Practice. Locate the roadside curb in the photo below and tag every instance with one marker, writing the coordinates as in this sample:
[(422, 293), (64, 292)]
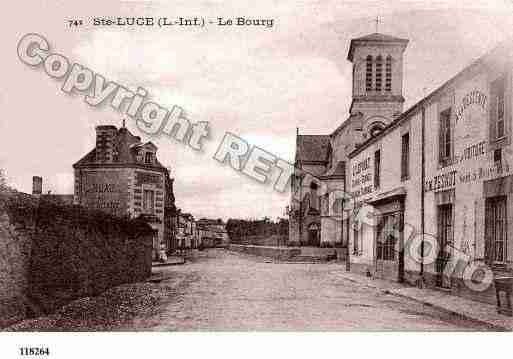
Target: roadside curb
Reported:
[(497, 324), (167, 264), (460, 314)]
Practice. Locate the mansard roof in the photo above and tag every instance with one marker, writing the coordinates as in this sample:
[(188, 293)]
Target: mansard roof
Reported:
[(126, 145), (312, 148), (375, 37)]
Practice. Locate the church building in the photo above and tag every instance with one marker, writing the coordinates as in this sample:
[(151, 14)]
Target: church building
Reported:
[(321, 160), (422, 196)]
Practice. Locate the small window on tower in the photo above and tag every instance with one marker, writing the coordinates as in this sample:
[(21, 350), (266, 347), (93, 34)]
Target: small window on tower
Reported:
[(368, 74), (388, 74), (379, 69)]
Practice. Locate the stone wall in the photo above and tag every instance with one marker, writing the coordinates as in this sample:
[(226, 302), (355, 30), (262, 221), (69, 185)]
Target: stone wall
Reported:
[(279, 253), (272, 240), (52, 253)]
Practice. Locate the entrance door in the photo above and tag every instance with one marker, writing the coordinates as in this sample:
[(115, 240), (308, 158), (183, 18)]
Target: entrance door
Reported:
[(445, 242), (389, 254), (313, 235)]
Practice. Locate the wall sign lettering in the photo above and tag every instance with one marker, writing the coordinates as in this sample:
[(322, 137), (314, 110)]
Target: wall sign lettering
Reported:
[(475, 97)]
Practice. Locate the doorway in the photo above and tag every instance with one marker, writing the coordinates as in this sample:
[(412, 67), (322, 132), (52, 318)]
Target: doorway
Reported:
[(314, 238), (445, 242)]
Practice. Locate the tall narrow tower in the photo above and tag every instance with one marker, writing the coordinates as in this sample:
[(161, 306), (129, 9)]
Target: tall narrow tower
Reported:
[(377, 80)]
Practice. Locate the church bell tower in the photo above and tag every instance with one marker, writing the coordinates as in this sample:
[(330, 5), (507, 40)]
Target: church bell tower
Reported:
[(377, 80)]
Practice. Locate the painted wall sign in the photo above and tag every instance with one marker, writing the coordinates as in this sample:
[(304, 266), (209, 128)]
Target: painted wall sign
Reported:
[(441, 181), (363, 191), (361, 166), (103, 190), (362, 176), (484, 173), (475, 97)]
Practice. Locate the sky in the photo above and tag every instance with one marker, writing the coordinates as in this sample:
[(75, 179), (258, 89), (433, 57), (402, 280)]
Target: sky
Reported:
[(258, 83)]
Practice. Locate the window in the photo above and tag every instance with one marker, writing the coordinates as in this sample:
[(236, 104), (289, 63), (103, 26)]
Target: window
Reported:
[(148, 201), (495, 230), (377, 168), (405, 156), (355, 237), (445, 139), (148, 158), (314, 196), (498, 108), (368, 74), (379, 68), (388, 74), (387, 236)]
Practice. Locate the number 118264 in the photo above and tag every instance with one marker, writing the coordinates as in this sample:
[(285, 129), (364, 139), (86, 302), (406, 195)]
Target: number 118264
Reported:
[(34, 351)]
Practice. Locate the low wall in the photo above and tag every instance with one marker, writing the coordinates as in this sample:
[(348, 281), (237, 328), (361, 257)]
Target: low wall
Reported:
[(269, 241), (279, 253), (52, 253)]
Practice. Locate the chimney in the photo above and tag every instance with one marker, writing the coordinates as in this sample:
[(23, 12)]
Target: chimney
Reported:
[(105, 143), (37, 185)]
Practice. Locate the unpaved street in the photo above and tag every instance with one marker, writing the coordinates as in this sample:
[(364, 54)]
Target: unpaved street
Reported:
[(228, 291), (221, 290)]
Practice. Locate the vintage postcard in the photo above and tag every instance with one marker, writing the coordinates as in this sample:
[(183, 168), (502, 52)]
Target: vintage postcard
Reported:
[(274, 167)]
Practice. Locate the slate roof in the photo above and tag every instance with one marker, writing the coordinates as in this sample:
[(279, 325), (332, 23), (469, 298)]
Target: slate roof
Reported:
[(126, 146), (375, 37), (312, 148)]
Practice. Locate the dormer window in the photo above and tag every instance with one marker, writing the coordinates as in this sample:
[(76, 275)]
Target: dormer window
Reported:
[(148, 158)]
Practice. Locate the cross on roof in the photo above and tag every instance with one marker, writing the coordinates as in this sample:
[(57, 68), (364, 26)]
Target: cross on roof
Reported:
[(377, 22)]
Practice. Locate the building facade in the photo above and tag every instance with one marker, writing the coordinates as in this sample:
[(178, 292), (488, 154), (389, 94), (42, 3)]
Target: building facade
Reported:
[(447, 182), (187, 233), (212, 233), (123, 176), (319, 182)]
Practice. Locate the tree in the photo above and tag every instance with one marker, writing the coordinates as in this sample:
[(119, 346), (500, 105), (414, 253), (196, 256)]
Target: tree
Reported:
[(3, 181)]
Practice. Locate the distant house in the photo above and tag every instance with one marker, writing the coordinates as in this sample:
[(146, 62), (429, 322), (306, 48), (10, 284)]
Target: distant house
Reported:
[(212, 233), (187, 233)]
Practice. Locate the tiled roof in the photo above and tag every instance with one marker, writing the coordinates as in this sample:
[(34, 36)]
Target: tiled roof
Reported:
[(312, 147), (380, 37), (375, 37)]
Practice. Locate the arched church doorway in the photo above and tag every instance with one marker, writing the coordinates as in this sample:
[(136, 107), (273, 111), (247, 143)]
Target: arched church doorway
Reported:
[(314, 235)]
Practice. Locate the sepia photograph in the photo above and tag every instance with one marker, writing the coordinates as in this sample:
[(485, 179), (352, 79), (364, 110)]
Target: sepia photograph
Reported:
[(237, 176)]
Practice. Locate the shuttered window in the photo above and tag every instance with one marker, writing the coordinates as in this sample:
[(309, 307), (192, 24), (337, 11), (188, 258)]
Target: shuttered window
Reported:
[(388, 74), (379, 72), (377, 169), (368, 74), (148, 201), (495, 230), (405, 156), (497, 109), (445, 137)]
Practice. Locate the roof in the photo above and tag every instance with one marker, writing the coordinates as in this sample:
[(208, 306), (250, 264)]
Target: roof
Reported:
[(375, 37), (312, 148), (336, 171), (126, 145), (380, 37)]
